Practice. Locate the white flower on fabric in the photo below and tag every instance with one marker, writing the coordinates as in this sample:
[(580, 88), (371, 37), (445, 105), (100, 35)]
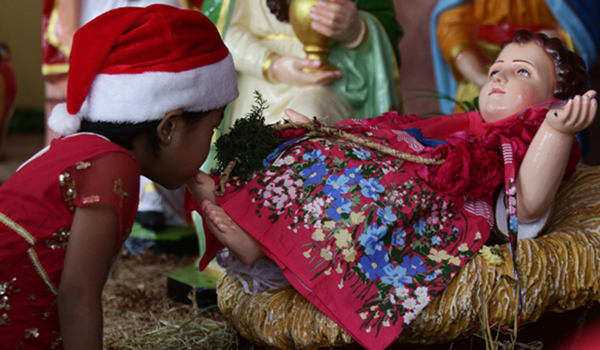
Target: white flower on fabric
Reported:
[(409, 303), (421, 291), (401, 292)]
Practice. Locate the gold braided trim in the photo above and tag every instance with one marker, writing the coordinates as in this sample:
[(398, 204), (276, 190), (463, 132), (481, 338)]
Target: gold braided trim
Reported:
[(17, 228), (361, 141), (315, 126), (49, 35), (223, 16), (267, 65), (278, 37), (59, 68), (40, 270)]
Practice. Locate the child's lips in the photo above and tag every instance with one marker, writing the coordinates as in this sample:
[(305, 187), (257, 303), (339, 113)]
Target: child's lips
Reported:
[(496, 91)]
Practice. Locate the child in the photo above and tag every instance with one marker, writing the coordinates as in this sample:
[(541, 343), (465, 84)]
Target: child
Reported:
[(147, 87), (370, 239)]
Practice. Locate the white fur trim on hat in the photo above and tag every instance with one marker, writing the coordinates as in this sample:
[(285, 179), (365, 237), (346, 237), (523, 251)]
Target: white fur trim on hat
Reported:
[(135, 98), (62, 122)]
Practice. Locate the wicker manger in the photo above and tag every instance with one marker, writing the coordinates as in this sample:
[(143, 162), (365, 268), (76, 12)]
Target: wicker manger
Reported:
[(559, 272)]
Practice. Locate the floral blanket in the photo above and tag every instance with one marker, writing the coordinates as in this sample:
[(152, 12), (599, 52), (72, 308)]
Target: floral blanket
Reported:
[(368, 238)]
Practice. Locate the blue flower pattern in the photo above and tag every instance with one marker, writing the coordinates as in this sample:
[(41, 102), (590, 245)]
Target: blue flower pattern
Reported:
[(358, 202)]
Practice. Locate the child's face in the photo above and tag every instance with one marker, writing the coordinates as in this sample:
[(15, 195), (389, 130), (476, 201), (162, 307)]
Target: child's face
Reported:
[(189, 150), (522, 76)]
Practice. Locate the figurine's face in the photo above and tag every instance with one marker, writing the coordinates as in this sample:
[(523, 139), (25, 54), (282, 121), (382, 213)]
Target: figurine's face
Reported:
[(521, 77)]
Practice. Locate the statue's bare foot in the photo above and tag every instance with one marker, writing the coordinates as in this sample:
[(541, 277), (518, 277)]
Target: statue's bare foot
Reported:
[(202, 187), (230, 234)]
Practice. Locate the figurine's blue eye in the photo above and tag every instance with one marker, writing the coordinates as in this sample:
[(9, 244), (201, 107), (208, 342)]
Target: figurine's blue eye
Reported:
[(523, 72), (493, 73)]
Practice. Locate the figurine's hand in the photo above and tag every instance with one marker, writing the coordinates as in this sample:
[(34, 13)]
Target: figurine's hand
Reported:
[(336, 19), (289, 70), (201, 187), (576, 115)]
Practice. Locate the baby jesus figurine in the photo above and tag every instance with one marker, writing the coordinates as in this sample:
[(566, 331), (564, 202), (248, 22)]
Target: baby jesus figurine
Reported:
[(370, 239)]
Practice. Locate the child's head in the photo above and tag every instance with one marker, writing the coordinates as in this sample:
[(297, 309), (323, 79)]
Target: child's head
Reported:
[(531, 69), (131, 67)]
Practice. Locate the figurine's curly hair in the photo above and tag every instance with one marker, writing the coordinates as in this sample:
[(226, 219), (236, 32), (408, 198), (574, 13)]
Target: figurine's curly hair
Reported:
[(571, 76)]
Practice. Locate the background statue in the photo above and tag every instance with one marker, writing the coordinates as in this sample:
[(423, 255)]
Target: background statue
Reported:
[(269, 58), (465, 37)]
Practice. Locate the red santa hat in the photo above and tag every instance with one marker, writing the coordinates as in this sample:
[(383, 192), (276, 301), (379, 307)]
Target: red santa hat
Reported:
[(133, 65)]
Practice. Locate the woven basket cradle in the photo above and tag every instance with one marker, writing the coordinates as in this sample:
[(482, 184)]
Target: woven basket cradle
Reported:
[(559, 272)]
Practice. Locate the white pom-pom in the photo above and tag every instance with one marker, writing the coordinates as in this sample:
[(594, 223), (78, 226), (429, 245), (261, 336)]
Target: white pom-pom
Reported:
[(62, 122)]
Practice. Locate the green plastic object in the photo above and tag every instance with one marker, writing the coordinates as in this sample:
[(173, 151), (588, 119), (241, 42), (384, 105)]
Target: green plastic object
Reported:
[(197, 219)]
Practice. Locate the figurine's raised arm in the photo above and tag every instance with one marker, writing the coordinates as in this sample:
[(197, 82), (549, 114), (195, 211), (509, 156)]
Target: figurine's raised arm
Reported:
[(530, 70), (545, 161)]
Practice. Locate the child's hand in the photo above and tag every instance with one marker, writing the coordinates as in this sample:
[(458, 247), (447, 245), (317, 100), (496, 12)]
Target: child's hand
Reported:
[(576, 115)]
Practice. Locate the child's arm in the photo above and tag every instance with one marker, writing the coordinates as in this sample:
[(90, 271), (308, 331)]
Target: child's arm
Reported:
[(92, 243), (544, 164)]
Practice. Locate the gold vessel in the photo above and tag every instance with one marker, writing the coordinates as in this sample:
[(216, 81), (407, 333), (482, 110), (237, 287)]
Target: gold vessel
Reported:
[(316, 45)]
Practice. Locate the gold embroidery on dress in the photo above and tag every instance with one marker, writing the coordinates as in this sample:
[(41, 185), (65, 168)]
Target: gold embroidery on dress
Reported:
[(58, 239), (118, 190), (69, 192), (32, 297), (56, 342), (82, 165), (40, 270), (91, 199), (17, 228), (31, 332), (4, 320), (6, 289)]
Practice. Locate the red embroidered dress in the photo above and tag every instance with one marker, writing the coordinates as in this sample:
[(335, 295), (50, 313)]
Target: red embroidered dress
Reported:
[(36, 212), (371, 239)]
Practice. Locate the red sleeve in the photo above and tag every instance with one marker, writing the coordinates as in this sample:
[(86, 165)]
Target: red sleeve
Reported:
[(110, 178)]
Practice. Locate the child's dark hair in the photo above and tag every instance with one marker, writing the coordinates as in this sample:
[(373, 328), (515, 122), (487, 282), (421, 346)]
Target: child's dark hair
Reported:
[(571, 76), (123, 134)]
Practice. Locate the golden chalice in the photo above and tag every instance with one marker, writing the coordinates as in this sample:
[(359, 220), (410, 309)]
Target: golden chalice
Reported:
[(316, 45)]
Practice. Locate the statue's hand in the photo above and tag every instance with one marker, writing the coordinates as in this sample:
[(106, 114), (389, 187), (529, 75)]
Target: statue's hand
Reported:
[(290, 70), (336, 19), (576, 115)]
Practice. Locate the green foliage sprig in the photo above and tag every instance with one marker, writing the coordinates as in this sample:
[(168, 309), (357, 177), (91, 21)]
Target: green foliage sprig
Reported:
[(248, 141)]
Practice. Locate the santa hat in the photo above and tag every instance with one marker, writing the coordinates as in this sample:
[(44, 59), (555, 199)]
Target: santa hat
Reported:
[(133, 65)]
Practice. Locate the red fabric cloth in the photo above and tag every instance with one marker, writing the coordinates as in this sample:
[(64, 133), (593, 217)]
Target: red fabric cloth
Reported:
[(36, 213), (367, 238)]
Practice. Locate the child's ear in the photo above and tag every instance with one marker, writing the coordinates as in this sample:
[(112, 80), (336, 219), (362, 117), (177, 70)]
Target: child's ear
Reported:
[(168, 125)]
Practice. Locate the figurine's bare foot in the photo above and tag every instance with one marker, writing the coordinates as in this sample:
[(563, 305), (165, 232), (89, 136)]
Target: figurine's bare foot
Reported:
[(202, 187), (295, 116), (230, 234)]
